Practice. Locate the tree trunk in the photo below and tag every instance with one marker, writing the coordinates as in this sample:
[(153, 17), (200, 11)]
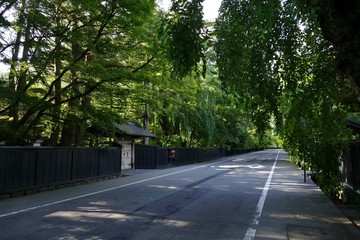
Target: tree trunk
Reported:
[(146, 116), (55, 132), (71, 126), (14, 110), (339, 21)]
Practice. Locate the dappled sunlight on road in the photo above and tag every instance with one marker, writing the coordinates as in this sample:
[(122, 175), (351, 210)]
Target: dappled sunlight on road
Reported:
[(90, 216), (289, 187), (242, 166), (93, 222), (298, 207), (303, 224), (271, 234), (287, 216), (98, 203), (239, 160), (210, 201), (164, 187), (99, 216)]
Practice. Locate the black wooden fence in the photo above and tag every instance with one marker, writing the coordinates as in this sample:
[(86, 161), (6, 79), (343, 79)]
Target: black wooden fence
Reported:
[(150, 157), (350, 168), (24, 168)]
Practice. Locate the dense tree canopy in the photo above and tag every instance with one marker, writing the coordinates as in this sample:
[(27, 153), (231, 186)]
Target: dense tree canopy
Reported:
[(283, 58), (59, 54), (75, 67), (270, 68)]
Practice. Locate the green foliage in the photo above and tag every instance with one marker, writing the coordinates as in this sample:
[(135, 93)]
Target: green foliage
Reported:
[(88, 44), (246, 47), (314, 126), (275, 58), (185, 36), (270, 77)]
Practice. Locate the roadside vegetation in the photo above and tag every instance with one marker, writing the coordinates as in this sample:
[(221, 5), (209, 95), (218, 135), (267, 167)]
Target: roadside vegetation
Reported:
[(265, 73)]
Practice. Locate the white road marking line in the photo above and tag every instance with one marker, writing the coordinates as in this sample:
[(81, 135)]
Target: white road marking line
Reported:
[(109, 189), (251, 231)]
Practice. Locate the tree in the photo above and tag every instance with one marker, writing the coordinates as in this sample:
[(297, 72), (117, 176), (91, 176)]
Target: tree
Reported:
[(76, 64), (339, 24), (278, 61), (86, 44), (185, 35), (195, 111), (246, 46)]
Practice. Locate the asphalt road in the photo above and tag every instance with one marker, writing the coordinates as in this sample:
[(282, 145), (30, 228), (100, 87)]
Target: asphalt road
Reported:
[(257, 195)]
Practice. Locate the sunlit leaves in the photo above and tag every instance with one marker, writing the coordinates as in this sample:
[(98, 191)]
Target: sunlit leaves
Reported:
[(313, 116), (273, 55), (185, 36), (63, 51), (247, 34)]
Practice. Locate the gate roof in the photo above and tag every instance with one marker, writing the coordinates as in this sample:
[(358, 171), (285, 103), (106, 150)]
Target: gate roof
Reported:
[(130, 129)]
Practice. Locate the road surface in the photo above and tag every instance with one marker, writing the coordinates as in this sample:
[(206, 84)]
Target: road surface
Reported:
[(258, 195)]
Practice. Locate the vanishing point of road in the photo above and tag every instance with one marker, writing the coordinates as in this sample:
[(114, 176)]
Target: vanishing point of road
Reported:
[(259, 195)]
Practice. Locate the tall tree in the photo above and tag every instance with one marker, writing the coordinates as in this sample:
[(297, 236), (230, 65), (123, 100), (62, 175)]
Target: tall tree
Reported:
[(185, 33), (247, 33), (102, 30), (339, 24), (56, 113), (277, 59)]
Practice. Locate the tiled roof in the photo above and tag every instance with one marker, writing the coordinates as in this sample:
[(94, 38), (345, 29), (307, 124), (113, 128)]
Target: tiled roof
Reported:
[(133, 130)]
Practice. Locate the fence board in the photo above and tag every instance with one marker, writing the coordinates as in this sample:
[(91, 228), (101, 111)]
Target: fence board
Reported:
[(355, 165), (24, 168), (85, 164), (162, 159), (147, 156), (16, 168), (53, 166), (350, 169), (346, 170), (110, 162)]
